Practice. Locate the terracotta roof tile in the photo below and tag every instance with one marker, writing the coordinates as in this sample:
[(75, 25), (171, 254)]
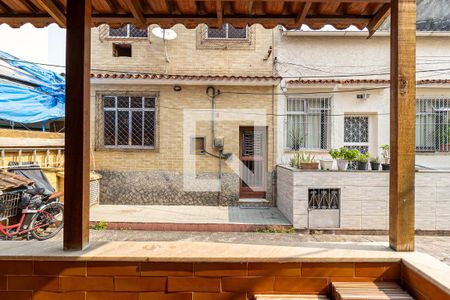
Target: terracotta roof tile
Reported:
[(113, 75), (361, 81), (12, 181)]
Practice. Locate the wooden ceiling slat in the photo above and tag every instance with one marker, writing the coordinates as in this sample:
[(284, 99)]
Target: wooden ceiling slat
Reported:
[(136, 10), (302, 15), (379, 18), (57, 14), (187, 7), (269, 13)]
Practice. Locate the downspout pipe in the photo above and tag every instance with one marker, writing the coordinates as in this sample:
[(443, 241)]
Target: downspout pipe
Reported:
[(212, 93)]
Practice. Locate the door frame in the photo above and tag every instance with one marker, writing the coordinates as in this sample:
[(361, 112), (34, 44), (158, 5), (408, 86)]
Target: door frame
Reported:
[(247, 192)]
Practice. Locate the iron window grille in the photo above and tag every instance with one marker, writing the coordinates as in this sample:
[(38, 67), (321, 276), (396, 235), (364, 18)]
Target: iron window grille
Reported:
[(227, 32), (324, 198), (356, 135), (433, 124), (128, 31), (308, 123), (129, 122)]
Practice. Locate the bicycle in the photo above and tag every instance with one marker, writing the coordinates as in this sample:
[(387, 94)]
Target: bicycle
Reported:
[(42, 215)]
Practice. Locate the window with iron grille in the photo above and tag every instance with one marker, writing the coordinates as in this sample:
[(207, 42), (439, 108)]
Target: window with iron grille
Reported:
[(129, 122), (128, 31), (308, 123), (356, 135), (227, 32), (433, 124)]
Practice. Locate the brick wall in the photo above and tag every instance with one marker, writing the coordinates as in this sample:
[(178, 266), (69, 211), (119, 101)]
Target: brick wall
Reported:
[(156, 176), (95, 280), (365, 198), (187, 55)]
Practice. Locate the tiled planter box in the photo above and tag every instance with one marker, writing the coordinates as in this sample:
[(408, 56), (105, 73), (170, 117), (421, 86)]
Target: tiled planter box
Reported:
[(364, 198)]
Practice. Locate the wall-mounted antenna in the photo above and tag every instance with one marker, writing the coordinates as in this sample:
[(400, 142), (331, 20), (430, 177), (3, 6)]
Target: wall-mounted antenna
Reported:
[(165, 35)]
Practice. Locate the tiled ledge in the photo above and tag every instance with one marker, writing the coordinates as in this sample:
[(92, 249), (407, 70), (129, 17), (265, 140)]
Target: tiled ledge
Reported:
[(428, 268), (202, 252)]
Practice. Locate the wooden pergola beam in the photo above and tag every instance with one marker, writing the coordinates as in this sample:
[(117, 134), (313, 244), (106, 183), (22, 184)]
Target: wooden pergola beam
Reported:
[(250, 7), (302, 15), (77, 132), (402, 125), (314, 1), (136, 10), (51, 8), (219, 12), (379, 18)]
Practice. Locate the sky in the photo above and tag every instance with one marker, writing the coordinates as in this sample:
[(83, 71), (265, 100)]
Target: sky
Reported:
[(42, 45)]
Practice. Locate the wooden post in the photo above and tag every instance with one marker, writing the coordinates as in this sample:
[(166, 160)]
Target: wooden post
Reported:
[(77, 143), (403, 119)]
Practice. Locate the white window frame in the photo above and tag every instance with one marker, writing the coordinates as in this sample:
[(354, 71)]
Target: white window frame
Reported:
[(226, 34), (130, 110), (428, 110), (309, 111)]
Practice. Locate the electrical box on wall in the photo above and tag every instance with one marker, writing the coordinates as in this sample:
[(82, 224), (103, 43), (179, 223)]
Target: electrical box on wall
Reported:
[(219, 142), (364, 96)]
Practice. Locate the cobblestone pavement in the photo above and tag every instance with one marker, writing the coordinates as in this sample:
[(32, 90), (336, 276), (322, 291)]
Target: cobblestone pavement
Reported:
[(437, 246)]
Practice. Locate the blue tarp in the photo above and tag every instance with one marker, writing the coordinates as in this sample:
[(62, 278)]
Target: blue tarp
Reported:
[(38, 97)]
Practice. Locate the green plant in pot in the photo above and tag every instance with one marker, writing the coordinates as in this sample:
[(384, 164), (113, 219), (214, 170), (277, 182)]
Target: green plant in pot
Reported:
[(375, 163), (362, 161), (385, 152), (444, 139), (342, 156), (303, 160), (295, 161), (297, 142)]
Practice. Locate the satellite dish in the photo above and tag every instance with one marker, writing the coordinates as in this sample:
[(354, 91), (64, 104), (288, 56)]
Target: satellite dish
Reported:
[(165, 35)]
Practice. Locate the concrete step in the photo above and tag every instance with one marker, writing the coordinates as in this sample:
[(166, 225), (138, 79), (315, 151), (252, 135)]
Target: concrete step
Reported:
[(369, 291), (253, 203), (291, 297)]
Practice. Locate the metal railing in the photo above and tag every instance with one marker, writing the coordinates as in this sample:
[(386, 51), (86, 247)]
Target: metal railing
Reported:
[(126, 33), (433, 124), (45, 157)]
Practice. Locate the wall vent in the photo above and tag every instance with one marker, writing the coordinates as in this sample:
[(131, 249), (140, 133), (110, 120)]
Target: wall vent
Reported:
[(324, 198)]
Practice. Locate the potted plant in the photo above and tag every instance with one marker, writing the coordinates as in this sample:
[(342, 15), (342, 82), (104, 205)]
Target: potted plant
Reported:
[(306, 161), (326, 164), (350, 155), (337, 155), (375, 163), (385, 166), (295, 161), (444, 139), (362, 161), (343, 156), (297, 142)]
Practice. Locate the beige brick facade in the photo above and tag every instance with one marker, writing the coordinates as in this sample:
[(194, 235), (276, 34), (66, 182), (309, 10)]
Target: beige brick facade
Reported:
[(168, 155), (189, 53), (155, 176)]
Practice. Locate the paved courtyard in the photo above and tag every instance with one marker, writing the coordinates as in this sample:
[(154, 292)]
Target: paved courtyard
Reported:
[(189, 214), (437, 246)]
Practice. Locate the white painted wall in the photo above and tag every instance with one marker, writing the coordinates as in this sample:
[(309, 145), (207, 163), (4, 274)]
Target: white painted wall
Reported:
[(364, 201), (309, 57)]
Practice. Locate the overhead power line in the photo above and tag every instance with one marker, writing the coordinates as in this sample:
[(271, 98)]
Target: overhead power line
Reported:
[(347, 75)]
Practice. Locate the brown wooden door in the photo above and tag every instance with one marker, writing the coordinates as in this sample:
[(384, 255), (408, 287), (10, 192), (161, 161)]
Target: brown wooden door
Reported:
[(253, 155)]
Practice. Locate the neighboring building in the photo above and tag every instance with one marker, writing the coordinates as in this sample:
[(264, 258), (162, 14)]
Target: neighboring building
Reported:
[(337, 80), (141, 137)]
